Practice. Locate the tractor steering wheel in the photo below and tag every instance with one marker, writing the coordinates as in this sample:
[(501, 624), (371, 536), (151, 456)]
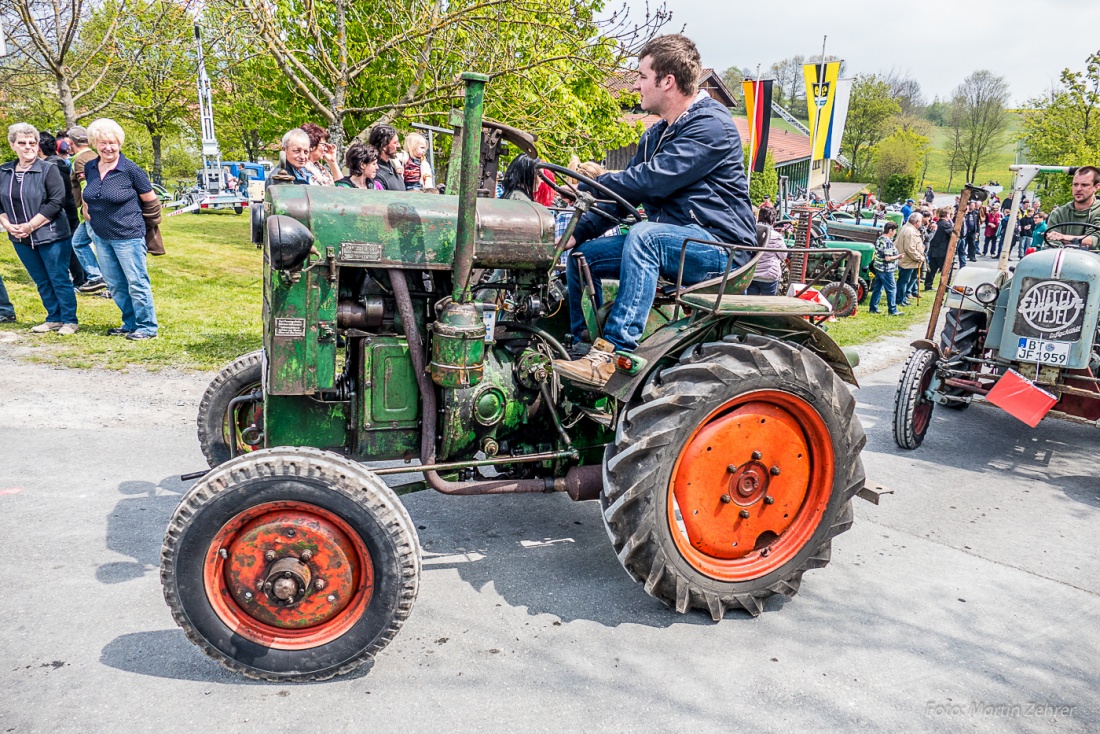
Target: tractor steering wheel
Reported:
[(1091, 230), (632, 217)]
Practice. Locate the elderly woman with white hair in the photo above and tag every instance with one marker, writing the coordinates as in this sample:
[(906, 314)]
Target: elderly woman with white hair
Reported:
[(114, 189), (32, 194)]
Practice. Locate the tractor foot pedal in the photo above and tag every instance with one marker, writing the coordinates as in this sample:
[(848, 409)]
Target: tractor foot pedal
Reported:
[(604, 419), (872, 492)]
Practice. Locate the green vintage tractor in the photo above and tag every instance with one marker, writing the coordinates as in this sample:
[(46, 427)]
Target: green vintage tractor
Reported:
[(406, 333)]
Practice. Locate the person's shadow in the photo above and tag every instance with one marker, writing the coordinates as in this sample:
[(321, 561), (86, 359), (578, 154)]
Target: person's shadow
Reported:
[(135, 528)]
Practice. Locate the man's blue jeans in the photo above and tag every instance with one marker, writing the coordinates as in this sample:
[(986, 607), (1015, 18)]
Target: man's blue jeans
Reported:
[(48, 266), (883, 281), (123, 263), (636, 259), (907, 278), (82, 246), (7, 310)]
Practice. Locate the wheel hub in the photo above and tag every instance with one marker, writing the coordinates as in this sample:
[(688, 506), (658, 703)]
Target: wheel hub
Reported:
[(748, 483)]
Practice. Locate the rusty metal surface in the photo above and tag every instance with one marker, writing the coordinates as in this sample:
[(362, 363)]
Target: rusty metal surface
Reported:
[(466, 231)]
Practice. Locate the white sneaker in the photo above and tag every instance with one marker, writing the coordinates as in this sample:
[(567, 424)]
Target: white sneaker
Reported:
[(68, 329), (48, 326)]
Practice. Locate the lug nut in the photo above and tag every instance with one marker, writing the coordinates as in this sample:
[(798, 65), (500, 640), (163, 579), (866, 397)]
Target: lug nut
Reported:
[(775, 471), (732, 468), (248, 596), (769, 500), (744, 513), (726, 499), (331, 598), (306, 555), (267, 586), (270, 555), (319, 583), (756, 456)]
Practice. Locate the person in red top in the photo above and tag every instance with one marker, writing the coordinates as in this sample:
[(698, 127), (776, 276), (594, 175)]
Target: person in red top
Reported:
[(991, 223)]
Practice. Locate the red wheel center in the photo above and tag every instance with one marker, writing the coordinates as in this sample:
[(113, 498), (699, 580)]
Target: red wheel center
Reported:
[(288, 574)]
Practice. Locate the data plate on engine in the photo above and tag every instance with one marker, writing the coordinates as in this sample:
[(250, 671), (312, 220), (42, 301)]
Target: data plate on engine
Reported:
[(1043, 352), (360, 251)]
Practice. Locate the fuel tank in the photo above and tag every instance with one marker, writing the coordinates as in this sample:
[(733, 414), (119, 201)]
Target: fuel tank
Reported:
[(391, 229)]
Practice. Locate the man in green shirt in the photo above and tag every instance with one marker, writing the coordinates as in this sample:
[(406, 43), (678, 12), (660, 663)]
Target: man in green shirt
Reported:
[(1084, 209)]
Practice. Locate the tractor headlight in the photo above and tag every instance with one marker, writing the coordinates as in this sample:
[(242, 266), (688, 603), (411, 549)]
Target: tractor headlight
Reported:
[(986, 293)]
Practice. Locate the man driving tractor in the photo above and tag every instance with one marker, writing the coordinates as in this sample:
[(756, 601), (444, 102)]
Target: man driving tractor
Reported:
[(1084, 209), (689, 175)]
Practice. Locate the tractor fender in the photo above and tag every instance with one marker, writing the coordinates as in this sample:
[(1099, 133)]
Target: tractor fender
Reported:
[(928, 344), (670, 341)]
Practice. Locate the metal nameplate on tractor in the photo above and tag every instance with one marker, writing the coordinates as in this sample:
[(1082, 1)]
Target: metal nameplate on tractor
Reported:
[(290, 328), (1052, 310), (360, 252)]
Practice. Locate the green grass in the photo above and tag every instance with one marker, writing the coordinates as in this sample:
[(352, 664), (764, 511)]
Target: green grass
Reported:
[(864, 327), (994, 168), (207, 291)]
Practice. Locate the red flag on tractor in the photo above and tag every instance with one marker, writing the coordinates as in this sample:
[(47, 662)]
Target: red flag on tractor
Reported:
[(758, 109)]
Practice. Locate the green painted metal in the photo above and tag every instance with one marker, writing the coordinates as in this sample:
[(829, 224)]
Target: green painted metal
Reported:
[(756, 304), (390, 229), (299, 330), (467, 188), (302, 421), (458, 346)]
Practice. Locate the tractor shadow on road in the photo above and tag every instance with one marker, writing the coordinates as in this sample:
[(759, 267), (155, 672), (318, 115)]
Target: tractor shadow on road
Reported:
[(136, 525), (542, 552), (985, 438)]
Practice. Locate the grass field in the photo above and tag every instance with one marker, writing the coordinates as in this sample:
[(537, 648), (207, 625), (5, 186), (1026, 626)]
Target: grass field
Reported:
[(207, 292), (208, 296)]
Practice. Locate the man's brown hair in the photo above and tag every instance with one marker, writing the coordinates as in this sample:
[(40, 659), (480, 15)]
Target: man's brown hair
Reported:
[(1083, 169), (677, 55)]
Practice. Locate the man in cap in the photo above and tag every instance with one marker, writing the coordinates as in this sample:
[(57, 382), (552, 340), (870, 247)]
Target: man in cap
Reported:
[(906, 210)]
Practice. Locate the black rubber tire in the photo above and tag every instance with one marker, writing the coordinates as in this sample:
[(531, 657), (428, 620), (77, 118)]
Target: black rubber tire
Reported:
[(962, 334), (238, 210), (863, 291), (842, 296), (638, 467), (909, 401), (239, 377), (347, 489)]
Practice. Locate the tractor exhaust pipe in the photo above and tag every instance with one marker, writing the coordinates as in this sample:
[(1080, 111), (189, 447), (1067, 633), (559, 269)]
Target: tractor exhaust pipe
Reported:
[(470, 169)]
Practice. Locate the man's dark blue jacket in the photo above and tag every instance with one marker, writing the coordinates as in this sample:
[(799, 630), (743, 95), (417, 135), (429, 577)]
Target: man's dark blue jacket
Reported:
[(690, 172)]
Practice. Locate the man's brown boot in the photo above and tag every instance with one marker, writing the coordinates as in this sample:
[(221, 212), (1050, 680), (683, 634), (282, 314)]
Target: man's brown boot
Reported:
[(593, 369)]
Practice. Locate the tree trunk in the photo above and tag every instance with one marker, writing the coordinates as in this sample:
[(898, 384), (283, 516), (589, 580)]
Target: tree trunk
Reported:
[(157, 163), (65, 97)]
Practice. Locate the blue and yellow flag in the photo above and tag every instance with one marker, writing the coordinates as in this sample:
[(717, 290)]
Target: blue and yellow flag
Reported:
[(827, 104)]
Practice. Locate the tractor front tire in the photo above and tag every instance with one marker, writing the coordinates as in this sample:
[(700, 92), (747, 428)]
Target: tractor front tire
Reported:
[(216, 430), (290, 564), (961, 337), (912, 409), (732, 473)]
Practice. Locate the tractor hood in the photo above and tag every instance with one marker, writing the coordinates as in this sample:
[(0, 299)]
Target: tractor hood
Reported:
[(387, 229)]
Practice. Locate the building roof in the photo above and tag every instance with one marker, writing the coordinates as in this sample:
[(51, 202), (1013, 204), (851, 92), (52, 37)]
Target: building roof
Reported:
[(786, 147)]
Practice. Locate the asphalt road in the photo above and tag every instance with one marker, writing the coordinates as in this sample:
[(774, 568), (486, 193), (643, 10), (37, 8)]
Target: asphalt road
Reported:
[(969, 600)]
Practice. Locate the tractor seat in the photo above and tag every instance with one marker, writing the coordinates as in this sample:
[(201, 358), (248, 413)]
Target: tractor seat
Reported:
[(737, 281)]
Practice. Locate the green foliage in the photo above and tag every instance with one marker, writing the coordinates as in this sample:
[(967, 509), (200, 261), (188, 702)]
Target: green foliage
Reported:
[(899, 157), (1064, 129), (938, 113), (732, 78), (869, 113), (899, 187), (763, 184), (978, 119)]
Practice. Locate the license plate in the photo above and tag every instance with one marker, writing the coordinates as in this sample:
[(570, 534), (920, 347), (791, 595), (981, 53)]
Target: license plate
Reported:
[(1043, 352)]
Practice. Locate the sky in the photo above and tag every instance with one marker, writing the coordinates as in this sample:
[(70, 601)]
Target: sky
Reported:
[(937, 42)]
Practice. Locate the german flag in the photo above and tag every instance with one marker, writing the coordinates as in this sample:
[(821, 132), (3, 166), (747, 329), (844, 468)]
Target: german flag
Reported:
[(758, 109)]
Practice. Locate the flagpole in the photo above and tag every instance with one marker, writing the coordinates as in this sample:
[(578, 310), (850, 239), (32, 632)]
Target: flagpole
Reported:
[(752, 132), (824, 160)]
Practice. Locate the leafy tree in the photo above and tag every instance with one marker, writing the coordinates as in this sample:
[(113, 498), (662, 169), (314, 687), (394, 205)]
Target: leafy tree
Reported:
[(732, 78), (765, 183), (906, 92), (979, 118), (1064, 128), (49, 44), (869, 113), (899, 157), (938, 112), (357, 63)]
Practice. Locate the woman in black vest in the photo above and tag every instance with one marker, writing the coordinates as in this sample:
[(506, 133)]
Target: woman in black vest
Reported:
[(32, 194)]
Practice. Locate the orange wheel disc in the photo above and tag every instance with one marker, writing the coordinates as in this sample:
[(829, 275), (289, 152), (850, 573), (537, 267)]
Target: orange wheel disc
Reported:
[(750, 486), (288, 575)]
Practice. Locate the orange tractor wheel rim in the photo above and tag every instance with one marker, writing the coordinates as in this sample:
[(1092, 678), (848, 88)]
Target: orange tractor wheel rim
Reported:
[(750, 486), (288, 575)]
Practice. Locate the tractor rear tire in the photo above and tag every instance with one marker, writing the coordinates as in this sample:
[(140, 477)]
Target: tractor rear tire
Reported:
[(785, 426), (912, 410), (239, 377), (842, 296), (238, 582), (962, 335)]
